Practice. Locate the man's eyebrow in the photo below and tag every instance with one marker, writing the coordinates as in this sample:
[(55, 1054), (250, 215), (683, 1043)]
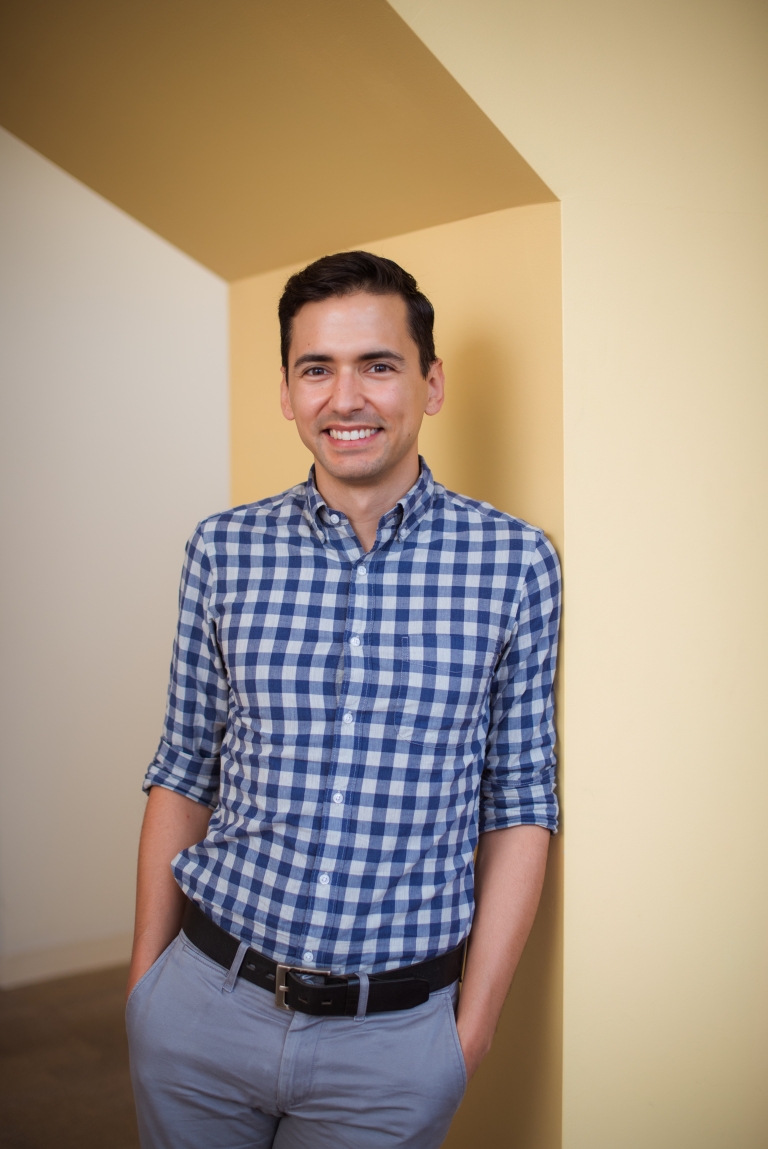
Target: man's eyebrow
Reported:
[(313, 357), (366, 357), (382, 354)]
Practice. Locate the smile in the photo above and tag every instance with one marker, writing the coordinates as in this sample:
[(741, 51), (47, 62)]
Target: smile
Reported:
[(363, 433)]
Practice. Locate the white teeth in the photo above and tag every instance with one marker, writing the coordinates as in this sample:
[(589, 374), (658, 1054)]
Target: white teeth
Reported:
[(364, 434)]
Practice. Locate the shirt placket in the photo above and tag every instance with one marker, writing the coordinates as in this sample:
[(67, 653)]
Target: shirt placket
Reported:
[(329, 860)]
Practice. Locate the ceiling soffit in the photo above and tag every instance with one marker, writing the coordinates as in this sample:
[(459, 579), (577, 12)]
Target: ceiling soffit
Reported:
[(254, 133)]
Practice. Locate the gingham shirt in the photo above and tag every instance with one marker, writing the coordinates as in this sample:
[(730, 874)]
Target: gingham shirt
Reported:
[(355, 719)]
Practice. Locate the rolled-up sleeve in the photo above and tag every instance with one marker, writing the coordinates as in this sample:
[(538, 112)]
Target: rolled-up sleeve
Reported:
[(187, 759), (518, 784)]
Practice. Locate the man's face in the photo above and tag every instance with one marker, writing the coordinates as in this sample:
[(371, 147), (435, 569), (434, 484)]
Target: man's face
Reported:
[(354, 386)]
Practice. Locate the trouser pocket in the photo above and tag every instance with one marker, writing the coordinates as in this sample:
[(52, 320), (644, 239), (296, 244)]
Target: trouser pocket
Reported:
[(148, 974)]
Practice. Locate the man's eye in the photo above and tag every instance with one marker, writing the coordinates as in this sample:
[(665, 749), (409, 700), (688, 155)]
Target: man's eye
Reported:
[(316, 371), (380, 368)]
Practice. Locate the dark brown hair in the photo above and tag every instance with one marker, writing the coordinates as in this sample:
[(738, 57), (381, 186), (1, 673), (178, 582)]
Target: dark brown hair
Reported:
[(348, 272)]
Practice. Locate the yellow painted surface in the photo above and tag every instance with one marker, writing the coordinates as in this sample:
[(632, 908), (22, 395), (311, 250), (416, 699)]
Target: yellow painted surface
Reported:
[(250, 134), (266, 454), (495, 284), (649, 121)]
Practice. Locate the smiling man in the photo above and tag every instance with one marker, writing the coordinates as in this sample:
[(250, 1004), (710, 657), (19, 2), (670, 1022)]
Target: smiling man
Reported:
[(361, 697)]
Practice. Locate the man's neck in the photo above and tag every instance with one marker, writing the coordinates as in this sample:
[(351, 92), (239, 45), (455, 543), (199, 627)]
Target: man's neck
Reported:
[(365, 501)]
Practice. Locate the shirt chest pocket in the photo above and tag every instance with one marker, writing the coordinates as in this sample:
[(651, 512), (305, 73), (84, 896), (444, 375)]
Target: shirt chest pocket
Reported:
[(443, 687)]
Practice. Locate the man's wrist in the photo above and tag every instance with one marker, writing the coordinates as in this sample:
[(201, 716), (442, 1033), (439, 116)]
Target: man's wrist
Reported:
[(146, 951), (476, 1037), (140, 963)]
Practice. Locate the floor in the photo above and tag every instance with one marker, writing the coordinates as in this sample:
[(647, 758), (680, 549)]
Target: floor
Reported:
[(64, 1065)]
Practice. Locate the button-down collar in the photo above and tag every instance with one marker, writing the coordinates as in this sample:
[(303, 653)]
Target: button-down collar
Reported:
[(400, 520)]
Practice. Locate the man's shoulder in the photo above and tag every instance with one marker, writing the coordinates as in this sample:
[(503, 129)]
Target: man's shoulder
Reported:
[(263, 517), (467, 513)]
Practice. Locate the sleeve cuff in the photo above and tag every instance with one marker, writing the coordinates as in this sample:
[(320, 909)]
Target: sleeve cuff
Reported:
[(188, 774), (531, 806), (519, 818)]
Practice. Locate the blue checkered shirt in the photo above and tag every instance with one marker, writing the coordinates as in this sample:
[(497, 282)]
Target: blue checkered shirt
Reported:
[(355, 719)]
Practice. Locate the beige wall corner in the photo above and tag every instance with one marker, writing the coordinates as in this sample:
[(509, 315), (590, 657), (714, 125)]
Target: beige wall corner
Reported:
[(113, 444), (59, 961), (649, 121), (495, 283)]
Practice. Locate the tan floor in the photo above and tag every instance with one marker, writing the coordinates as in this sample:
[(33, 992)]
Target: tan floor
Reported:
[(64, 1065)]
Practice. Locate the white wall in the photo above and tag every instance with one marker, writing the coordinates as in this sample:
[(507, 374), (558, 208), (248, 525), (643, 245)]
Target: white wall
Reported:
[(113, 360), (649, 120)]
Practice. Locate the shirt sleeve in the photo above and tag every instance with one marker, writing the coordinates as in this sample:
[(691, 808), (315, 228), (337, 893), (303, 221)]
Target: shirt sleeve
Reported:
[(187, 759), (518, 784)]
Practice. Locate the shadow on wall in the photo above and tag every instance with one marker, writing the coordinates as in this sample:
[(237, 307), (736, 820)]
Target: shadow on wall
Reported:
[(477, 403), (510, 1099), (479, 452), (473, 445)]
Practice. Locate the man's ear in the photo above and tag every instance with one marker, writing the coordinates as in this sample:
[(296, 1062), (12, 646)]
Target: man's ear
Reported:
[(285, 398), (435, 388)]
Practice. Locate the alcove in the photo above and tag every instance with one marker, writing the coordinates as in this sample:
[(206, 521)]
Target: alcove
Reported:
[(253, 138), (495, 282)]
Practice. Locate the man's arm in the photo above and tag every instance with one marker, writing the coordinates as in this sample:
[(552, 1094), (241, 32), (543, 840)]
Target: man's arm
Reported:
[(509, 876), (171, 823)]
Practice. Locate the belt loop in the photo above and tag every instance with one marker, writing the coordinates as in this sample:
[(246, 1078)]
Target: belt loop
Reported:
[(234, 969), (362, 1001)]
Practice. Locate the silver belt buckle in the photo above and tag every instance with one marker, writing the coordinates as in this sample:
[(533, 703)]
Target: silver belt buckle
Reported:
[(281, 981)]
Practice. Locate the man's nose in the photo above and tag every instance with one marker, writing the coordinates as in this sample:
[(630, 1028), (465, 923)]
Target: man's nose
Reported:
[(347, 395)]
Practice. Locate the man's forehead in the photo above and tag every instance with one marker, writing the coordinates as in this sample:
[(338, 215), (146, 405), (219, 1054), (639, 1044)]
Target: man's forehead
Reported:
[(357, 324)]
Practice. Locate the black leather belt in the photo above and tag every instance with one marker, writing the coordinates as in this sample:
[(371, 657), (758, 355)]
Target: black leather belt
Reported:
[(317, 991)]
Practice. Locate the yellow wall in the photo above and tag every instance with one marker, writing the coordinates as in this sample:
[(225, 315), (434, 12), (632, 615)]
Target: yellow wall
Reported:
[(495, 284), (649, 121)]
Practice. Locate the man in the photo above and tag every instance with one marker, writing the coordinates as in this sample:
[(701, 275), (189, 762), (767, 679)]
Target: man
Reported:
[(361, 688)]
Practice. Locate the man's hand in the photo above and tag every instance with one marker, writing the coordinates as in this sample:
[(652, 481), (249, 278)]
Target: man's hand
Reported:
[(171, 823), (509, 875)]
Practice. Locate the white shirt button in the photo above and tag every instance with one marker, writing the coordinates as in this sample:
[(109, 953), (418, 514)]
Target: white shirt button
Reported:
[(361, 571), (354, 640), (347, 718), (325, 879), (338, 798), (308, 955), (334, 519)]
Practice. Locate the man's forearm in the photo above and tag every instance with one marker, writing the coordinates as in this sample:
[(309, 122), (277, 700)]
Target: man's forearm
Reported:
[(509, 875), (171, 823)]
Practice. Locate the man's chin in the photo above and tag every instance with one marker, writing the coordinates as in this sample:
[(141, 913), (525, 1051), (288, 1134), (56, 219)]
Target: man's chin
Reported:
[(353, 467)]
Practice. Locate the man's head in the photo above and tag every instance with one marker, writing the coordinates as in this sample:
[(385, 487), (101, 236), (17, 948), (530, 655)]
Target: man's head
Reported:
[(359, 364)]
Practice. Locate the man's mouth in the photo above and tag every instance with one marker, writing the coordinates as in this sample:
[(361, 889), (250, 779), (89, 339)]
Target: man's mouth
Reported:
[(353, 433)]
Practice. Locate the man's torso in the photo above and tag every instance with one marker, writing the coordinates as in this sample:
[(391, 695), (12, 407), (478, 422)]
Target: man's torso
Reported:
[(341, 705)]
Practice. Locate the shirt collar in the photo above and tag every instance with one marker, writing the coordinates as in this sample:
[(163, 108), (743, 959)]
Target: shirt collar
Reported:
[(407, 512)]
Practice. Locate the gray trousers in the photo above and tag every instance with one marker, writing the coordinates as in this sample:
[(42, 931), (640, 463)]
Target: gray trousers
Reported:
[(216, 1065)]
